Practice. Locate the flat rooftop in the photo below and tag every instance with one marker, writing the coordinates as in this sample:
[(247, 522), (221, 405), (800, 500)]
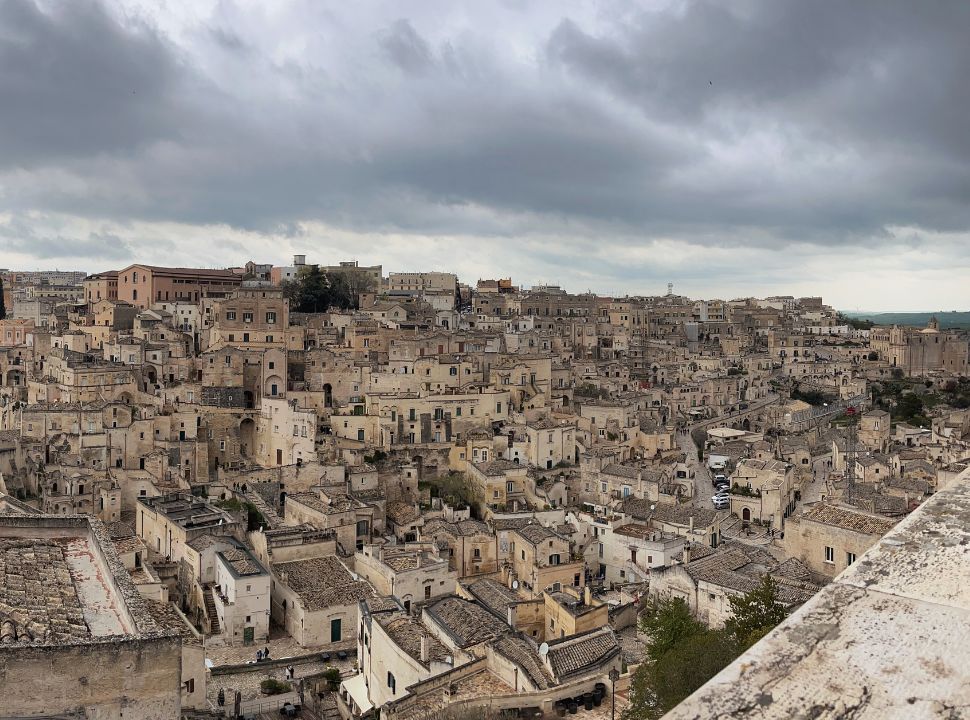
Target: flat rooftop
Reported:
[(187, 512)]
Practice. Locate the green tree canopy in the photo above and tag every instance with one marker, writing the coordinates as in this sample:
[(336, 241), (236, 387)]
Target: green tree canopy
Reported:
[(682, 653), (754, 613), (316, 291)]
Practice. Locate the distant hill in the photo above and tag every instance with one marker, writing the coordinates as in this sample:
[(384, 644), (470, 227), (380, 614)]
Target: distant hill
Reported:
[(948, 320)]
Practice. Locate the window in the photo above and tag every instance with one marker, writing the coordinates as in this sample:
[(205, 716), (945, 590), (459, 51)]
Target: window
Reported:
[(510, 486), (247, 317), (270, 318), (829, 554), (391, 683), (554, 559), (230, 314), (477, 553), (849, 558)]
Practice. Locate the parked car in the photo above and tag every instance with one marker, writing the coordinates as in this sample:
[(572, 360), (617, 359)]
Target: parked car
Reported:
[(720, 496), (722, 504)]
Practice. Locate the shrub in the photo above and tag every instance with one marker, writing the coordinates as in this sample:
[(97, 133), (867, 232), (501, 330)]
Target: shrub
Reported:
[(272, 686)]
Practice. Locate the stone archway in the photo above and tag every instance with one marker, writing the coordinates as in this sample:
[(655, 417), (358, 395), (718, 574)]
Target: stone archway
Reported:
[(247, 434)]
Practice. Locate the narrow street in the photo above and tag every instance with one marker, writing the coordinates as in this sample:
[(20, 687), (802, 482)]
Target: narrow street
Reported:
[(701, 480)]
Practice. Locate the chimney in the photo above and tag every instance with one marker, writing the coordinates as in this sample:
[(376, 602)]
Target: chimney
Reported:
[(690, 526), (686, 552), (424, 648), (587, 595)]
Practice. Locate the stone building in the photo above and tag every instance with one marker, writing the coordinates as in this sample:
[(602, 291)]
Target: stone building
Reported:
[(829, 537), (76, 637)]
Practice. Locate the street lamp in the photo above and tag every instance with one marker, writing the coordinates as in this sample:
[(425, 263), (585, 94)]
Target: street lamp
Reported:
[(614, 676)]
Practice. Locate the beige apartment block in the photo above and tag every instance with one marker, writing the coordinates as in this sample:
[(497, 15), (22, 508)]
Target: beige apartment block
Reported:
[(829, 537)]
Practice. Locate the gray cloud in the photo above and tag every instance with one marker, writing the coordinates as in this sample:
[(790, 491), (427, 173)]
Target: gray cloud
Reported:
[(765, 123), (406, 48)]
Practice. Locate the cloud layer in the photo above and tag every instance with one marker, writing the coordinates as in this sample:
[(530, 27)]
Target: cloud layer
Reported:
[(743, 148)]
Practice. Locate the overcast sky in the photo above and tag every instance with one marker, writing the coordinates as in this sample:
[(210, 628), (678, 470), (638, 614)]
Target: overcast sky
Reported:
[(743, 148)]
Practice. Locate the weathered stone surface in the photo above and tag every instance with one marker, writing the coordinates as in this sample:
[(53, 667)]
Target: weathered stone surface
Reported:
[(889, 638)]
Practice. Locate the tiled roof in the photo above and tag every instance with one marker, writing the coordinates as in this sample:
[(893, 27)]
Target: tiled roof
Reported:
[(848, 519), (38, 598), (322, 582), (522, 653), (496, 468), (402, 513), (535, 533), (493, 595), (466, 622), (241, 562), (571, 655), (407, 634), (668, 513), (625, 471), (739, 567)]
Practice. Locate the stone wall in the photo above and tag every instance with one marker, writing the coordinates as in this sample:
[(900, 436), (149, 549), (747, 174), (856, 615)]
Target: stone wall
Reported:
[(127, 678)]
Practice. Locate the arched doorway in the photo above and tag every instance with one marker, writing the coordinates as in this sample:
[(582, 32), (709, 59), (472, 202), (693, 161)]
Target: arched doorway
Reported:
[(247, 431), (327, 395), (746, 514)]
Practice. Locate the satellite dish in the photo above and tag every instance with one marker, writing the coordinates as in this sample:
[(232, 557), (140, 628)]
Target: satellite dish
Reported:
[(515, 584), (543, 649)]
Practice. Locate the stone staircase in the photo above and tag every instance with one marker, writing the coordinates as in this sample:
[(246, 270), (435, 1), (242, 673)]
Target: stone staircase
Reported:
[(210, 610)]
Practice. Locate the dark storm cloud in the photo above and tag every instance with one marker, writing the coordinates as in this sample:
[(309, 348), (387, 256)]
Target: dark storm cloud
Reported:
[(763, 122), (882, 84), (74, 84)]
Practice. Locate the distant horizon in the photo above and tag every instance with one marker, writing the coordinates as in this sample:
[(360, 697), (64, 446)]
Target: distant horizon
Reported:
[(465, 278)]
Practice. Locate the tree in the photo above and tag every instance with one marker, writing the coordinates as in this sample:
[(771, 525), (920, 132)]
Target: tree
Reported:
[(457, 490), (754, 614), (681, 655), (316, 291), (909, 408), (690, 664), (348, 286), (666, 623)]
